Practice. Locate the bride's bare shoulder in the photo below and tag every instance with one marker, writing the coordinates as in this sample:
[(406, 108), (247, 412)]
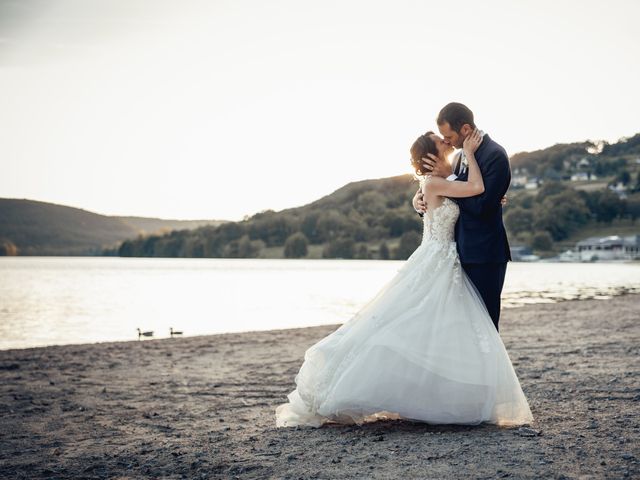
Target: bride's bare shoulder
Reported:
[(430, 181)]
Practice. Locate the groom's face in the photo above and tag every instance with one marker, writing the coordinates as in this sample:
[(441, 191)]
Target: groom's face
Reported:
[(453, 138)]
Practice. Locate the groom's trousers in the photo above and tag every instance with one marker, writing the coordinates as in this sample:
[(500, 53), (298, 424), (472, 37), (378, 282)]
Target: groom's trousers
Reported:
[(488, 279)]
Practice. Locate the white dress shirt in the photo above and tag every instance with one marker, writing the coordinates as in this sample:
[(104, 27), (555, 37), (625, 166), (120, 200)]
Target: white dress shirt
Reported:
[(461, 157)]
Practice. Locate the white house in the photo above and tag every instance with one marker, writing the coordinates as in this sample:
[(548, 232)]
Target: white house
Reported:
[(584, 162), (518, 181), (532, 183), (619, 189), (583, 176), (580, 177), (609, 248)]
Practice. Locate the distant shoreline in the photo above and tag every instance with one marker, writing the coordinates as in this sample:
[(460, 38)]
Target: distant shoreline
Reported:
[(543, 260)]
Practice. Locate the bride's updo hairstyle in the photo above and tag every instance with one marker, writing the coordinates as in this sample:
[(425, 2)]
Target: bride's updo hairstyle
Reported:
[(420, 148)]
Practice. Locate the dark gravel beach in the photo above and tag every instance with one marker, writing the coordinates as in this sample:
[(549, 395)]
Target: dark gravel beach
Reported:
[(203, 407)]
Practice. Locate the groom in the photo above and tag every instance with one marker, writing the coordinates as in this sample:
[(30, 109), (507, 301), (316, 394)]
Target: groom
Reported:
[(479, 232)]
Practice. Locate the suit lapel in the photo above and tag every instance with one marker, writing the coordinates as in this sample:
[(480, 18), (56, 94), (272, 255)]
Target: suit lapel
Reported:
[(479, 156), (458, 163), (482, 148)]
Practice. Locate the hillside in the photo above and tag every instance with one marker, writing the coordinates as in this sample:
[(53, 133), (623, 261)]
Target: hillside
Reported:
[(374, 218), (559, 195), (145, 225), (28, 227), (601, 159), (354, 221)]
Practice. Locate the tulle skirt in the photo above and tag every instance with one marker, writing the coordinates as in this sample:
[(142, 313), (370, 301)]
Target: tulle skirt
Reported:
[(424, 349)]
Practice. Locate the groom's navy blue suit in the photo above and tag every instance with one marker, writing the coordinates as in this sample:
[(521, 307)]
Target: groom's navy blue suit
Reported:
[(480, 234)]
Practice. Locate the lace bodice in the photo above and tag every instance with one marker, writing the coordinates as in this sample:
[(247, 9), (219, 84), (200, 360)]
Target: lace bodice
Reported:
[(439, 222)]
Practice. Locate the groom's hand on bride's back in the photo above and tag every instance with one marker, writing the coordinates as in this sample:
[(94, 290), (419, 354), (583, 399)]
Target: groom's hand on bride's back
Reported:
[(418, 202), (437, 166)]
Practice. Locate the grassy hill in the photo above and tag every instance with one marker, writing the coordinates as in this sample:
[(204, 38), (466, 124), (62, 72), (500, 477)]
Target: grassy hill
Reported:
[(28, 227), (374, 218), (145, 225), (365, 219), (352, 222)]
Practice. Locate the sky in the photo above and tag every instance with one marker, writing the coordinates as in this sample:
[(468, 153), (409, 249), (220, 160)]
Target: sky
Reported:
[(220, 109)]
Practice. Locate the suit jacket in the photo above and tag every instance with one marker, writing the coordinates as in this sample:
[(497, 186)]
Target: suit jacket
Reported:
[(479, 232)]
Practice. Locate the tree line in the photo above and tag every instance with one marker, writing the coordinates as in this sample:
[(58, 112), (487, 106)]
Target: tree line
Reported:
[(375, 219), (368, 219), (558, 210)]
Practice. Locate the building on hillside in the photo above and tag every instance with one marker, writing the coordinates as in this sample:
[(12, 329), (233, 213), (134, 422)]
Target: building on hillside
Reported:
[(619, 189), (569, 256), (532, 183), (613, 247), (583, 176), (580, 177), (522, 253), (584, 162), (518, 181)]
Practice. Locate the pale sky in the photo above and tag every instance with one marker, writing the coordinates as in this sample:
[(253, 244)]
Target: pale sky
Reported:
[(219, 109)]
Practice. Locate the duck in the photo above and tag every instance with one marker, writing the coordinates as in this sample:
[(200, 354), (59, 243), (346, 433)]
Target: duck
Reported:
[(144, 334), (173, 332)]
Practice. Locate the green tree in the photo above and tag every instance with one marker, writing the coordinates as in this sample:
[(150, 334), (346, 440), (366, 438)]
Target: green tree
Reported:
[(624, 146), (360, 230), (331, 225), (244, 247), (394, 222), (525, 201), (518, 220), (149, 246), (632, 206), (605, 205), (409, 241), (624, 177), (397, 222), (561, 214), (127, 248), (272, 228), (383, 252), (339, 248), (362, 252), (196, 248), (609, 206), (296, 245), (308, 226), (542, 241), (550, 188), (636, 187), (371, 203), (230, 231), (398, 200), (174, 243)]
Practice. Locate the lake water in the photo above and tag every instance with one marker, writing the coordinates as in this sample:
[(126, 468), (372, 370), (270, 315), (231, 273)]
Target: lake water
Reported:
[(62, 300)]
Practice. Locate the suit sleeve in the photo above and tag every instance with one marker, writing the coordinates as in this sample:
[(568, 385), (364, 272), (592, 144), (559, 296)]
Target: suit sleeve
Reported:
[(496, 177)]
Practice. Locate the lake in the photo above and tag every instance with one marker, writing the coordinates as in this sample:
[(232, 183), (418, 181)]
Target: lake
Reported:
[(63, 300)]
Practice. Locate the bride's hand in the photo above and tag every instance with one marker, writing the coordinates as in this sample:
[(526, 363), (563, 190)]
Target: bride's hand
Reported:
[(436, 166), (472, 142)]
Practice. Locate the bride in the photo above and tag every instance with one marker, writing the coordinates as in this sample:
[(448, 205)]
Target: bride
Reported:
[(424, 348)]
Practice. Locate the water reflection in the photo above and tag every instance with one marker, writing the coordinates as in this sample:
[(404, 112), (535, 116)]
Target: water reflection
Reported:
[(48, 301)]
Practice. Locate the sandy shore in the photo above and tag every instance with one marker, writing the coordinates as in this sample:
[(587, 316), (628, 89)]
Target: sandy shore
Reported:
[(203, 407)]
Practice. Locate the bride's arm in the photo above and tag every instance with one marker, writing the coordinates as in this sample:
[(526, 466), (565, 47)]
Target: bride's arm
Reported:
[(458, 189)]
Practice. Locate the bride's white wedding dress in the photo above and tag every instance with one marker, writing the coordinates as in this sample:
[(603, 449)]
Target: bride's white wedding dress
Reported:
[(424, 348)]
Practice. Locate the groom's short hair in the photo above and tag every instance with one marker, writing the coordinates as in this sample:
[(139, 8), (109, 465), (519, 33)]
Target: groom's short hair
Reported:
[(456, 115)]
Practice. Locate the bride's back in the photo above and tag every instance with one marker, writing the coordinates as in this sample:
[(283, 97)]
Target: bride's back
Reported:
[(440, 221)]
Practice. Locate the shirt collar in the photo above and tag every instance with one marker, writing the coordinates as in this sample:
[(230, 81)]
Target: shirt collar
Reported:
[(463, 156)]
